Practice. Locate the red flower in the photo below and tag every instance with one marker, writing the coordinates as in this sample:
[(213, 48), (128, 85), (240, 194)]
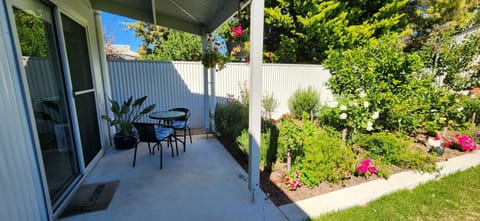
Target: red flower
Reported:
[(298, 182), (237, 31), (293, 186), (270, 54), (297, 174), (287, 180)]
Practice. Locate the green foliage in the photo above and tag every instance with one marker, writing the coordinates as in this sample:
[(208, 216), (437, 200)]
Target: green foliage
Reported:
[(214, 59), (379, 67), (268, 145), (126, 114), (269, 105), (231, 119), (325, 159), (31, 33), (471, 107), (303, 31), (385, 146), (454, 60), (160, 43), (395, 149), (417, 160), (304, 101), (291, 137)]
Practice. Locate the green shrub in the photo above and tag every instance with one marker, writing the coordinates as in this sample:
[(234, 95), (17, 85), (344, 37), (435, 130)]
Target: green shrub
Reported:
[(325, 159), (269, 105), (471, 105), (304, 101), (385, 146), (230, 119), (291, 137), (268, 145), (417, 160)]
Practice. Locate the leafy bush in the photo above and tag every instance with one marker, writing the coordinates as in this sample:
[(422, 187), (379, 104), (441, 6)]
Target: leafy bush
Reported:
[(385, 146), (268, 145), (304, 101), (269, 105), (417, 160), (471, 105), (291, 137), (230, 119), (325, 159)]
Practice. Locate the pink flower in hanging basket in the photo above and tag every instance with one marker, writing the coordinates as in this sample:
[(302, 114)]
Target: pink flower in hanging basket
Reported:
[(237, 31)]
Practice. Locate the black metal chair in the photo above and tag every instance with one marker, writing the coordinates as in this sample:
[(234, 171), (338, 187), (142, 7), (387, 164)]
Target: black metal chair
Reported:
[(182, 125), (147, 132)]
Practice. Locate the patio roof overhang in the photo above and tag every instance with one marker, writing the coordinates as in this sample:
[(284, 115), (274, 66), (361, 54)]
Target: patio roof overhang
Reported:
[(192, 16), (201, 17)]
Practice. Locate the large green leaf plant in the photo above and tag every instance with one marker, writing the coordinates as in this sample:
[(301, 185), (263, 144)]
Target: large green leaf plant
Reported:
[(126, 114)]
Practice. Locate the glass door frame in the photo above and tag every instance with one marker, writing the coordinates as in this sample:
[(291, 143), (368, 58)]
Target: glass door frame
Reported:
[(54, 208)]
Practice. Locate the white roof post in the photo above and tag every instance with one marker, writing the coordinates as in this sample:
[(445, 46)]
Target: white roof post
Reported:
[(213, 97), (255, 103), (205, 89)]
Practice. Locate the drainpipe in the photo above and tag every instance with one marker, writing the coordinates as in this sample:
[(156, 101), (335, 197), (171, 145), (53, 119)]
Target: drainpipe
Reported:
[(205, 88), (255, 103), (107, 90)]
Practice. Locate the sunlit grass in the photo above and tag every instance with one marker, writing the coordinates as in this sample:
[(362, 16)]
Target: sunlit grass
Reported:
[(455, 197)]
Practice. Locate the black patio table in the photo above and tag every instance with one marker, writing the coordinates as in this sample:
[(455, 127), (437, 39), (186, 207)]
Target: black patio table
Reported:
[(167, 117)]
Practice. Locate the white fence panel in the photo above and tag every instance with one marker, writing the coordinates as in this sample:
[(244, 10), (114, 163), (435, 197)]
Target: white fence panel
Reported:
[(180, 84)]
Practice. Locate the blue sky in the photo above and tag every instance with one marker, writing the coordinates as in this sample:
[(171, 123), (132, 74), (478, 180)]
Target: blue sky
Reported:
[(112, 26)]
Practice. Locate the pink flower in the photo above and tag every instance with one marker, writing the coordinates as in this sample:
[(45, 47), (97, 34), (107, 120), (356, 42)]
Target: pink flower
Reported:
[(297, 174), (293, 186), (372, 170), (237, 31), (270, 54), (298, 182), (365, 168), (287, 180)]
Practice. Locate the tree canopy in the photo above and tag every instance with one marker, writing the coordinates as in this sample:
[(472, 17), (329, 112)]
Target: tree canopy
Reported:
[(160, 43)]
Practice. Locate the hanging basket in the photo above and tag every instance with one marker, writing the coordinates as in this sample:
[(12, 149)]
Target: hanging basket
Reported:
[(237, 49)]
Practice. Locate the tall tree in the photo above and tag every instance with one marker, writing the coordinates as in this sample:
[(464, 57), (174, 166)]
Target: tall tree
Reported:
[(160, 43), (304, 31)]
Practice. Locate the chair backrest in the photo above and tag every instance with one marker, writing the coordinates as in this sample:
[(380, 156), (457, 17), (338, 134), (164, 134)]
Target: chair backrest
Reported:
[(182, 109), (146, 132)]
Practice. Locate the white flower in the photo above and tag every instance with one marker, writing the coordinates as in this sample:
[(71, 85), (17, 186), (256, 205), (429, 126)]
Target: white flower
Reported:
[(333, 104), (369, 126), (354, 104), (362, 94), (375, 115), (343, 108), (343, 116), (460, 109), (431, 142), (366, 104)]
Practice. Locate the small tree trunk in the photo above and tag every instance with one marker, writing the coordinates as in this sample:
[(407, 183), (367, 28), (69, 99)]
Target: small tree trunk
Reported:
[(344, 135), (473, 118), (289, 160)]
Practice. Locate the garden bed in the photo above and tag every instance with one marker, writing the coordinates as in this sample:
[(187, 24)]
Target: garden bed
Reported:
[(272, 183)]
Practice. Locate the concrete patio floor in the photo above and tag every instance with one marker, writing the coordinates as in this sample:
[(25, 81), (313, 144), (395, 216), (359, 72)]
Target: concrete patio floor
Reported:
[(204, 183)]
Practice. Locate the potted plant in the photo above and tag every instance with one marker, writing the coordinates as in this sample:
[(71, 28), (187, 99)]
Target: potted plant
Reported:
[(214, 59), (124, 116)]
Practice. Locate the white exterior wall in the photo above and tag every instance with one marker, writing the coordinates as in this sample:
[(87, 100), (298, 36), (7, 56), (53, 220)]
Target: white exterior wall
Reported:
[(23, 194), (180, 84)]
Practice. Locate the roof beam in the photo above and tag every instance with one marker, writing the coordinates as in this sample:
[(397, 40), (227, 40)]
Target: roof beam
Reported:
[(178, 24), (120, 9)]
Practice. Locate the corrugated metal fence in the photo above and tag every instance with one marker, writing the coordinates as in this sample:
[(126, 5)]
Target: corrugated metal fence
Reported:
[(180, 84)]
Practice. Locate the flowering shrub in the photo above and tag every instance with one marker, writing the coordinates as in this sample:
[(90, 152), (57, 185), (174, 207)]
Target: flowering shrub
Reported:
[(461, 143), (293, 183), (237, 31), (366, 168)]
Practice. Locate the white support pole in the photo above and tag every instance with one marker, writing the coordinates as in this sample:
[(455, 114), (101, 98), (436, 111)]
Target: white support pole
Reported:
[(206, 104), (255, 108), (213, 98)]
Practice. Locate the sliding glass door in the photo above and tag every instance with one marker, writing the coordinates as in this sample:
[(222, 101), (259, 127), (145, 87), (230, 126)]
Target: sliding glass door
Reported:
[(76, 45), (47, 88), (60, 86)]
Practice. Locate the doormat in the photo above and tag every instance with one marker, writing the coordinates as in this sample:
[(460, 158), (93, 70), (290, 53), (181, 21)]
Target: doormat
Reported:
[(91, 197)]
